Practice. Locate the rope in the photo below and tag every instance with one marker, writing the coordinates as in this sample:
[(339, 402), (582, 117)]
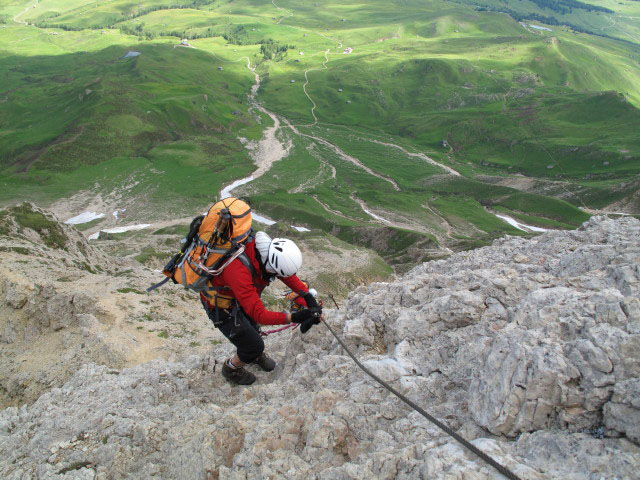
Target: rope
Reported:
[(268, 332), (500, 468)]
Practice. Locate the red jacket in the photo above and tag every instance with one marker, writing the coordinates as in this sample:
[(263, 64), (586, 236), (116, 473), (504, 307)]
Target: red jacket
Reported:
[(247, 290)]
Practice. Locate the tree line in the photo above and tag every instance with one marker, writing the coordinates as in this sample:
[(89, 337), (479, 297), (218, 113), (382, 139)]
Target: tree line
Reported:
[(272, 50), (567, 6), (520, 17)]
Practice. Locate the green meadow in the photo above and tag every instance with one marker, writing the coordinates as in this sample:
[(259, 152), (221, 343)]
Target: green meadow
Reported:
[(365, 92)]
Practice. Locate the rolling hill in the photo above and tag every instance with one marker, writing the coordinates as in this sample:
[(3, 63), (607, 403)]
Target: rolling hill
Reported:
[(392, 125)]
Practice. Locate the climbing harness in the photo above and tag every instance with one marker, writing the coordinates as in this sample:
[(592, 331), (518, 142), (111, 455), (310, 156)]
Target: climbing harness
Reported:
[(500, 468)]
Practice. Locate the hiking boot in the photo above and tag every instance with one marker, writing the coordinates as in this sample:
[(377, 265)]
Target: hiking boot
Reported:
[(265, 363), (239, 375)]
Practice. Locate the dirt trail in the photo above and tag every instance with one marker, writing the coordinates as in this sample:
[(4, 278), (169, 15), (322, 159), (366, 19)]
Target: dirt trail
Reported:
[(15, 19), (330, 210), (445, 223), (321, 176), (421, 156), (284, 10), (338, 151), (269, 149), (365, 209), (304, 88)]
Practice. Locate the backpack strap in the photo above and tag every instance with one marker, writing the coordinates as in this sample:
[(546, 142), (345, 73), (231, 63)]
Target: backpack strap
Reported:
[(244, 259), (159, 284)]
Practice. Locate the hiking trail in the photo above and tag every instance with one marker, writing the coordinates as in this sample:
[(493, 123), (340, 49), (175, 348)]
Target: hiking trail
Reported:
[(15, 19)]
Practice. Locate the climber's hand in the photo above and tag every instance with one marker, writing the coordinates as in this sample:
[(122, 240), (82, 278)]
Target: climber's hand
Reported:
[(306, 314), (307, 324), (310, 300)]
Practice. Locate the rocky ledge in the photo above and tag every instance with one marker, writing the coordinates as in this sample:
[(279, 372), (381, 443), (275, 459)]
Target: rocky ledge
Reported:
[(528, 348)]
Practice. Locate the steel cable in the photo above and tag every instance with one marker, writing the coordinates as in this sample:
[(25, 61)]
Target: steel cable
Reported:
[(469, 446)]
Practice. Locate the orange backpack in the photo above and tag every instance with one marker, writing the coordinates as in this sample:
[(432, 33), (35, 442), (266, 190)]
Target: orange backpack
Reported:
[(214, 241)]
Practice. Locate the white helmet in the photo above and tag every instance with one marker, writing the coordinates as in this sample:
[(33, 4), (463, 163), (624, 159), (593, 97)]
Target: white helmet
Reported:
[(280, 255), (262, 244)]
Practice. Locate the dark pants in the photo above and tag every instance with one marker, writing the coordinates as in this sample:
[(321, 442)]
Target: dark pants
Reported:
[(240, 329)]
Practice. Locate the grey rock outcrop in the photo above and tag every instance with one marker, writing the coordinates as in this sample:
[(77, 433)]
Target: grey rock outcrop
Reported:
[(64, 303), (528, 348)]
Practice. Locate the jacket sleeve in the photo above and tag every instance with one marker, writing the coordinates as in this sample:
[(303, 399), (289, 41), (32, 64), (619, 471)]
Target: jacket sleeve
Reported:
[(238, 279), (295, 284)]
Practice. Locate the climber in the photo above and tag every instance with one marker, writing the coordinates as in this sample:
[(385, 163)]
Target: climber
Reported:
[(237, 309)]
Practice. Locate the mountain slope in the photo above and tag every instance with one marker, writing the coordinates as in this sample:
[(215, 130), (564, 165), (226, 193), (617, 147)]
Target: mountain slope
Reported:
[(528, 347)]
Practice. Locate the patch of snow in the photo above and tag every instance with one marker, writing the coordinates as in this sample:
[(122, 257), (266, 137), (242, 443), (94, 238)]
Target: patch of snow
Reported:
[(118, 212), (131, 54), (373, 215), (261, 219), (127, 228), (84, 218), (537, 27), (521, 226), (226, 191), (301, 229)]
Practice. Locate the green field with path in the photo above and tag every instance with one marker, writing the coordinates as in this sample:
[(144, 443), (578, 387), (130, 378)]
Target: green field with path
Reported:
[(424, 118)]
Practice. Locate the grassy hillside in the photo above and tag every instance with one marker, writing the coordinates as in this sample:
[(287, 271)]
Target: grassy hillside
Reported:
[(163, 120), (609, 18), (409, 121)]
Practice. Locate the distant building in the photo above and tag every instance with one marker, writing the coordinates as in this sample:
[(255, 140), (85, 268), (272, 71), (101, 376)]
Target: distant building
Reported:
[(348, 50), (219, 68)]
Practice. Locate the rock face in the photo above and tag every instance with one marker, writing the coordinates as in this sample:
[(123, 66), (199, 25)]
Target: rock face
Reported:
[(528, 348), (64, 303)]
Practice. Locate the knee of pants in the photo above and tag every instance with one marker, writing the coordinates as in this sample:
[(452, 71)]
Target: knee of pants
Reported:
[(248, 353)]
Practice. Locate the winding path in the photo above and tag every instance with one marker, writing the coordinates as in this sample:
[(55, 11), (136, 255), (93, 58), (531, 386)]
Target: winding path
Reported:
[(269, 149), (284, 10), (15, 19), (338, 151), (304, 88), (421, 156)]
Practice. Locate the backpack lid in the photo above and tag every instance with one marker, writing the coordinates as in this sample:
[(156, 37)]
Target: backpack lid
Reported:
[(231, 217)]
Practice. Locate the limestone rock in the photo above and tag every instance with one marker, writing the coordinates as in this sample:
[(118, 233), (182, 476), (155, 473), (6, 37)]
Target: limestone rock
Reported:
[(528, 348)]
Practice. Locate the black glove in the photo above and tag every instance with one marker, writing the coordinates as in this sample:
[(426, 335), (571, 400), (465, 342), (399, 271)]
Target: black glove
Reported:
[(306, 314), (307, 324), (310, 300)]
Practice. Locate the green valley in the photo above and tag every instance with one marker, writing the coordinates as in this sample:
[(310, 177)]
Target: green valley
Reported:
[(408, 127)]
